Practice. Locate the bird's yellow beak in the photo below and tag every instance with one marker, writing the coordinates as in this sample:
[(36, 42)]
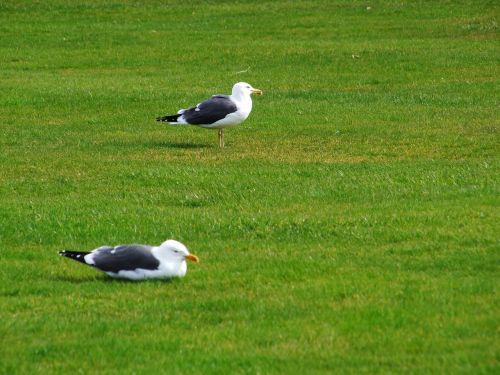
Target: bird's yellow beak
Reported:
[(257, 91), (192, 257)]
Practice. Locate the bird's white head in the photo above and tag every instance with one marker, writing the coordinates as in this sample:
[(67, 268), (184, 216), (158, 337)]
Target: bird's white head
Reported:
[(176, 251), (243, 89)]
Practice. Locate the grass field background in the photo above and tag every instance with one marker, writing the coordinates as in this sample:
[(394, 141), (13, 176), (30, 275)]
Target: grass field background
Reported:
[(350, 225)]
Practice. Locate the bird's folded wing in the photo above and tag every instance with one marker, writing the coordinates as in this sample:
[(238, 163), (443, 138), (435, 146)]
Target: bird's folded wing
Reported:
[(214, 109), (125, 258)]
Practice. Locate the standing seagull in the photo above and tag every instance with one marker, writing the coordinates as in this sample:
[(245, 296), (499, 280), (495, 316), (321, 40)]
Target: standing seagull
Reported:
[(137, 262), (218, 112)]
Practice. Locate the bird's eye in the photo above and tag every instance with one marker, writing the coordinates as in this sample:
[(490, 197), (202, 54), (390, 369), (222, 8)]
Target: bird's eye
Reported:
[(248, 87)]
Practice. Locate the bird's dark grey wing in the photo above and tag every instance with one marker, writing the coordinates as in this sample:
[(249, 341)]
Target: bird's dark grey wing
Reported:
[(210, 111), (125, 258), (103, 248)]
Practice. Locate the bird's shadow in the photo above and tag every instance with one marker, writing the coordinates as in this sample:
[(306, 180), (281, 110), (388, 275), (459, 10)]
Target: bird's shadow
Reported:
[(179, 145), (104, 279), (79, 279)]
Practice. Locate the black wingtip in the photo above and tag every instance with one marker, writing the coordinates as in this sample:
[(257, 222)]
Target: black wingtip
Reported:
[(79, 256), (163, 118), (168, 118)]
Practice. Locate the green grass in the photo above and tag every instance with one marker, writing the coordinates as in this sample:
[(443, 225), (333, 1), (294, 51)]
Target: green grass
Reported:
[(349, 226)]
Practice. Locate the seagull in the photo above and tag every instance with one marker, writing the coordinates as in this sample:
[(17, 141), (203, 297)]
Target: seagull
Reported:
[(137, 262), (218, 112)]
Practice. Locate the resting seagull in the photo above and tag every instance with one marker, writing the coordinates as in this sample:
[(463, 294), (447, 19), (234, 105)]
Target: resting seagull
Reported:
[(218, 112), (137, 262)]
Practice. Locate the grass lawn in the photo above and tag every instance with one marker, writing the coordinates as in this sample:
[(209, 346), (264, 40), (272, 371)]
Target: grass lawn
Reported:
[(349, 226)]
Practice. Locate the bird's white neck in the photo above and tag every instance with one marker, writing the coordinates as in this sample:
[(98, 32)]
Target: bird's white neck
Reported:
[(178, 269), (243, 101), (174, 267)]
